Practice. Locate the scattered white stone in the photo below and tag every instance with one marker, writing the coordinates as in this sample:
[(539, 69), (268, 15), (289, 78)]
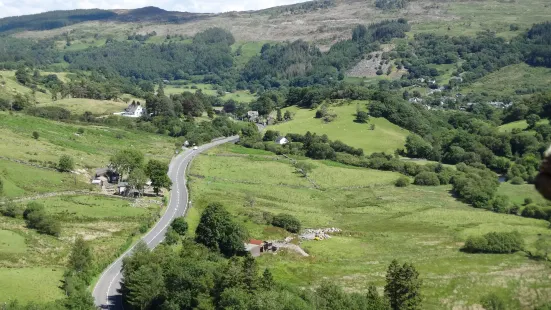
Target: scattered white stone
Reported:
[(318, 234)]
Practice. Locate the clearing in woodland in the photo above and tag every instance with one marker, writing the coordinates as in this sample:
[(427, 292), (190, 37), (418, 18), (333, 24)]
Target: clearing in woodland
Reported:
[(385, 137)]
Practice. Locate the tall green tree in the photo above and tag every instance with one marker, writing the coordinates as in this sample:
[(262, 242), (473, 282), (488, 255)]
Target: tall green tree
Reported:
[(80, 260), (137, 179), (180, 225), (158, 174), (145, 285), (267, 281), (532, 120), (217, 231), (403, 286), (125, 161)]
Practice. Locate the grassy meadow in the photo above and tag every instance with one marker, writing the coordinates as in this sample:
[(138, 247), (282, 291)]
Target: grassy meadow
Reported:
[(32, 265), (386, 137), (380, 222), (506, 81), (522, 125), (75, 105), (22, 180), (239, 95), (470, 17), (91, 149)]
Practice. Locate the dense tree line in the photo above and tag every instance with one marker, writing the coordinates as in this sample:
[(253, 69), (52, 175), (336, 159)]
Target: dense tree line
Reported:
[(23, 51), (210, 52), (302, 64), (475, 56), (311, 145)]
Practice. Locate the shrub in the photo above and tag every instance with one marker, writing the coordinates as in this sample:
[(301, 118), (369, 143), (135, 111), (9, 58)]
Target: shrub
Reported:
[(427, 179), (495, 242), (517, 181), (50, 112), (37, 218), (528, 201), (534, 211), (180, 226), (500, 204), (259, 146), (402, 182), (66, 163), (36, 135), (10, 209), (476, 188), (80, 131), (362, 117), (287, 222), (493, 302)]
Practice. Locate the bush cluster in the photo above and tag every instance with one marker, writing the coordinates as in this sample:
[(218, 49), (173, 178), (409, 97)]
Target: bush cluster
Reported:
[(427, 179), (37, 218), (495, 242), (287, 222), (402, 182)]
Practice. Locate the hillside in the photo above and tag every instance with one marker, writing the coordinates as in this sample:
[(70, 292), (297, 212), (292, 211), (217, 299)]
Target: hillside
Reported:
[(36, 261), (386, 137), (324, 25)]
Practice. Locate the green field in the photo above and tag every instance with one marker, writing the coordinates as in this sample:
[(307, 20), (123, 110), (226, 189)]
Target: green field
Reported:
[(239, 96), (11, 243), (30, 284), (109, 224), (422, 225), (75, 105), (89, 150), (522, 125), (386, 137), (92, 207), (470, 17), (517, 193), (246, 50), (22, 180), (506, 81), (81, 105)]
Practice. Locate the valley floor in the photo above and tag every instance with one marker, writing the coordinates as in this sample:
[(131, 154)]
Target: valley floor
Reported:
[(379, 222)]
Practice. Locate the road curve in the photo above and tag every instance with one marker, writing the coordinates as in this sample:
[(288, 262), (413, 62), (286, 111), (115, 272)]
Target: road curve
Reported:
[(105, 292)]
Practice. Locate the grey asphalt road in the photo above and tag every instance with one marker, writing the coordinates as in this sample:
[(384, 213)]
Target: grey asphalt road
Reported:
[(105, 292)]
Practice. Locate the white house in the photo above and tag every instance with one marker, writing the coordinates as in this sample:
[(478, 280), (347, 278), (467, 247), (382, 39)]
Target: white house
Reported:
[(281, 140), (133, 110)]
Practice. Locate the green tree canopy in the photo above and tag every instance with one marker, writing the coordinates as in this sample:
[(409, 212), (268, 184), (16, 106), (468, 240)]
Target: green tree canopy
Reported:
[(157, 172), (403, 286), (66, 163), (217, 231), (125, 161)]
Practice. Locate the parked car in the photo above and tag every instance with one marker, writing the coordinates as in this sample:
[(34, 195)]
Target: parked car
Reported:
[(195, 147)]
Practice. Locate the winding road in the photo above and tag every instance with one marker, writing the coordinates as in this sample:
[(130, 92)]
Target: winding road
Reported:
[(105, 292)]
